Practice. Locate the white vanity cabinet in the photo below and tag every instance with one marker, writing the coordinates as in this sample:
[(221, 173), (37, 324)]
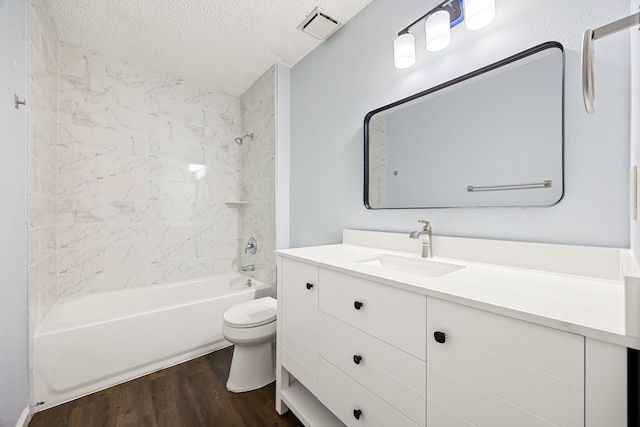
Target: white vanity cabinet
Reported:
[(354, 345), (372, 352), (358, 349), (484, 369), (298, 295)]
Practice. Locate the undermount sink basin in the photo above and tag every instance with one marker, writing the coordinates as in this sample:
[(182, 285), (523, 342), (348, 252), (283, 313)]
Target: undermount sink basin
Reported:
[(419, 266)]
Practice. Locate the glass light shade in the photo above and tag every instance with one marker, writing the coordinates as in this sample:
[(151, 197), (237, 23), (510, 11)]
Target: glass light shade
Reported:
[(404, 51), (479, 13), (438, 30)]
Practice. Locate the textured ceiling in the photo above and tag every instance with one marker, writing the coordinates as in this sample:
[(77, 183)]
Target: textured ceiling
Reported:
[(226, 44)]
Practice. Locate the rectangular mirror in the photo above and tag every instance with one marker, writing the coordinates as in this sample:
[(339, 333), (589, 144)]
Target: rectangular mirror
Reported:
[(493, 137)]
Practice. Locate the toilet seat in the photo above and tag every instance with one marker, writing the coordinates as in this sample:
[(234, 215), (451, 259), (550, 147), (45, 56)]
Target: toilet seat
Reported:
[(252, 313)]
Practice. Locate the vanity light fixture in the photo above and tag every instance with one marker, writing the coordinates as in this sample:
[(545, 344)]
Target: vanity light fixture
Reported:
[(438, 31), (438, 23), (404, 51), (479, 13)]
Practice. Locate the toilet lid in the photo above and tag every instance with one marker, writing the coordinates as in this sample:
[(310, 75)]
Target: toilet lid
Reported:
[(252, 313)]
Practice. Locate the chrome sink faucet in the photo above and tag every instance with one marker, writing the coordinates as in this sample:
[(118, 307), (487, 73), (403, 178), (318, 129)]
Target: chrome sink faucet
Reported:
[(425, 236)]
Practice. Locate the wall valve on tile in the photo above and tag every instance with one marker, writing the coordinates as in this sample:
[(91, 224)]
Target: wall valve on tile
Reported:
[(251, 247)]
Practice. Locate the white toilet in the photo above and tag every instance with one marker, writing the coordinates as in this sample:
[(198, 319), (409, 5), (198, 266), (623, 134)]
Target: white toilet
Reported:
[(251, 326)]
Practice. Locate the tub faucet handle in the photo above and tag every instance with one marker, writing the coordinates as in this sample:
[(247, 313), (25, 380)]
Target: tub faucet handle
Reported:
[(252, 247)]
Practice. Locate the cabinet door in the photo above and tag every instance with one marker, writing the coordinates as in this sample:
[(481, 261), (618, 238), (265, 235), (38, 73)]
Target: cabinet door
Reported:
[(299, 320), (493, 370)]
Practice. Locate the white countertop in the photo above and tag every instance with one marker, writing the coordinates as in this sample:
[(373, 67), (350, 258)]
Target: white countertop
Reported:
[(589, 306)]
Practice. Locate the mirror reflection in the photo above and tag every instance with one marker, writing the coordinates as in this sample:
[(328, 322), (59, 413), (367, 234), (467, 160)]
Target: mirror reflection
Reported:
[(493, 137)]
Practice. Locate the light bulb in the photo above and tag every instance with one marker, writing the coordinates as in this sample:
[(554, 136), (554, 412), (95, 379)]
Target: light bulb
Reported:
[(438, 30), (479, 13), (404, 51)]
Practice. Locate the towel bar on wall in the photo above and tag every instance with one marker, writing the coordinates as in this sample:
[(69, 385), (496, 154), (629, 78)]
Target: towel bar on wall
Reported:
[(543, 184), (589, 36)]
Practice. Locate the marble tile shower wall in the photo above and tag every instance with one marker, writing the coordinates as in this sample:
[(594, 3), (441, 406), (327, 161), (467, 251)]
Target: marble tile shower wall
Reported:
[(378, 162), (42, 162), (258, 175), (145, 164)]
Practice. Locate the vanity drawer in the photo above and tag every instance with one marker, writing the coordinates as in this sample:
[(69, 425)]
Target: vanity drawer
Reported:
[(395, 376), (509, 367), (394, 315), (342, 395), (299, 321)]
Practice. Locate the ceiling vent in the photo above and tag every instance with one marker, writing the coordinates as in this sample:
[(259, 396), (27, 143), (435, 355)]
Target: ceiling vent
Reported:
[(319, 24)]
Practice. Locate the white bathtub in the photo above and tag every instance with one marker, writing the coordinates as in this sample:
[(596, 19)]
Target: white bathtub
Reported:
[(93, 342)]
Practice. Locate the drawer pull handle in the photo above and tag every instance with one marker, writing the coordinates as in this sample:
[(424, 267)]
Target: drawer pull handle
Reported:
[(440, 337), (309, 285), (357, 413), (357, 305), (357, 359)]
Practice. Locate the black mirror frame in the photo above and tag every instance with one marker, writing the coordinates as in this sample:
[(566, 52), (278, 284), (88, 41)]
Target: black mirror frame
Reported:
[(490, 67)]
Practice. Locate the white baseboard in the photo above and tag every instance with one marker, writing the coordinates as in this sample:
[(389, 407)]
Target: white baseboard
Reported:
[(24, 419)]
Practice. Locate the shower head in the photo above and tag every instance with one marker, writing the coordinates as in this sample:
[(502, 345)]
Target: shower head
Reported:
[(240, 140)]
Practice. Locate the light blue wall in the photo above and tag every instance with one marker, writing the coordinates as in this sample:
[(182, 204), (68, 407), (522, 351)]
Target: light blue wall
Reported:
[(13, 251), (352, 73), (635, 122)]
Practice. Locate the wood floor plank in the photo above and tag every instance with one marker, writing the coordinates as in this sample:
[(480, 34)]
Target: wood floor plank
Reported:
[(58, 418), (167, 400), (192, 394), (134, 406), (93, 412), (213, 403)]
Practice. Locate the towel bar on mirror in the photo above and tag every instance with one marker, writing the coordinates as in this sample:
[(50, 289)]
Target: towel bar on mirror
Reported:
[(543, 184), (589, 36)]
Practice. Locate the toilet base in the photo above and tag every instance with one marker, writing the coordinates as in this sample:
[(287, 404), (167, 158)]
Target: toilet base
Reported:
[(252, 367)]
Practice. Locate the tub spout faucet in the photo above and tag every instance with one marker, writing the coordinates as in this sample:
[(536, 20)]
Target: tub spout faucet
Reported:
[(425, 236), (246, 268)]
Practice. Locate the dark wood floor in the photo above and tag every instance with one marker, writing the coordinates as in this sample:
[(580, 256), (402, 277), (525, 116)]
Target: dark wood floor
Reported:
[(191, 394)]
